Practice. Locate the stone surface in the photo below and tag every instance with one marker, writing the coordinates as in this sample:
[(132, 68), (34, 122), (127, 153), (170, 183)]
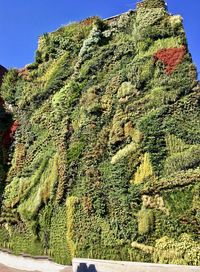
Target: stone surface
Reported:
[(11, 263), (8, 269), (87, 265)]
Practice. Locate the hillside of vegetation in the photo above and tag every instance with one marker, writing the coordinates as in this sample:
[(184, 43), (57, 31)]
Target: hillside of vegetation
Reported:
[(100, 143)]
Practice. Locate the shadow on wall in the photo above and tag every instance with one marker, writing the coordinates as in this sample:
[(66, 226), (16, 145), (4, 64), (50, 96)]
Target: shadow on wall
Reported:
[(84, 268)]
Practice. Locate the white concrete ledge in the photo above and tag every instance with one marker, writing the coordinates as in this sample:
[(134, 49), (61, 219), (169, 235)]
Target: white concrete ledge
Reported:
[(29, 264), (89, 265)]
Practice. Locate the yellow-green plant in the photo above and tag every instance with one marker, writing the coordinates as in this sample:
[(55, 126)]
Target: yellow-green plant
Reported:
[(144, 171), (53, 69), (71, 203), (145, 221), (183, 250), (122, 153), (187, 159), (174, 144), (126, 89), (134, 133), (160, 44)]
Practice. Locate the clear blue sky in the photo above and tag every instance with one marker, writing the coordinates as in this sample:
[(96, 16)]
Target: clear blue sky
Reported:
[(23, 21)]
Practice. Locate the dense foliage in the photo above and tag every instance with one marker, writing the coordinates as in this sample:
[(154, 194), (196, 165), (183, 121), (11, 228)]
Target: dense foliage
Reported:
[(102, 158)]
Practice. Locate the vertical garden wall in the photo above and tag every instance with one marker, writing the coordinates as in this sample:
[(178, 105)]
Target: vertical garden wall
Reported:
[(104, 143)]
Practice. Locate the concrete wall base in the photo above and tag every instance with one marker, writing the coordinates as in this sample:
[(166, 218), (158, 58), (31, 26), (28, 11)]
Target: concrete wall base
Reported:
[(89, 265)]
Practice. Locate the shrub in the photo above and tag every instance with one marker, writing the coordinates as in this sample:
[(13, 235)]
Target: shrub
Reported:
[(8, 87)]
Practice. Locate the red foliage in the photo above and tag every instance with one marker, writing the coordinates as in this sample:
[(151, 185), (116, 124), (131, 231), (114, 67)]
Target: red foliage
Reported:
[(8, 135), (89, 21), (171, 57)]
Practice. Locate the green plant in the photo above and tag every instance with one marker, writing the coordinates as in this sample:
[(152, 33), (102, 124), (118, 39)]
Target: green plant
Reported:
[(183, 251), (187, 159), (58, 248), (8, 87), (104, 103), (70, 206), (145, 221)]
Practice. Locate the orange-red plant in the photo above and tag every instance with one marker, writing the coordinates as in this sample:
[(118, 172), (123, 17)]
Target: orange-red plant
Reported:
[(171, 57), (8, 135)]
